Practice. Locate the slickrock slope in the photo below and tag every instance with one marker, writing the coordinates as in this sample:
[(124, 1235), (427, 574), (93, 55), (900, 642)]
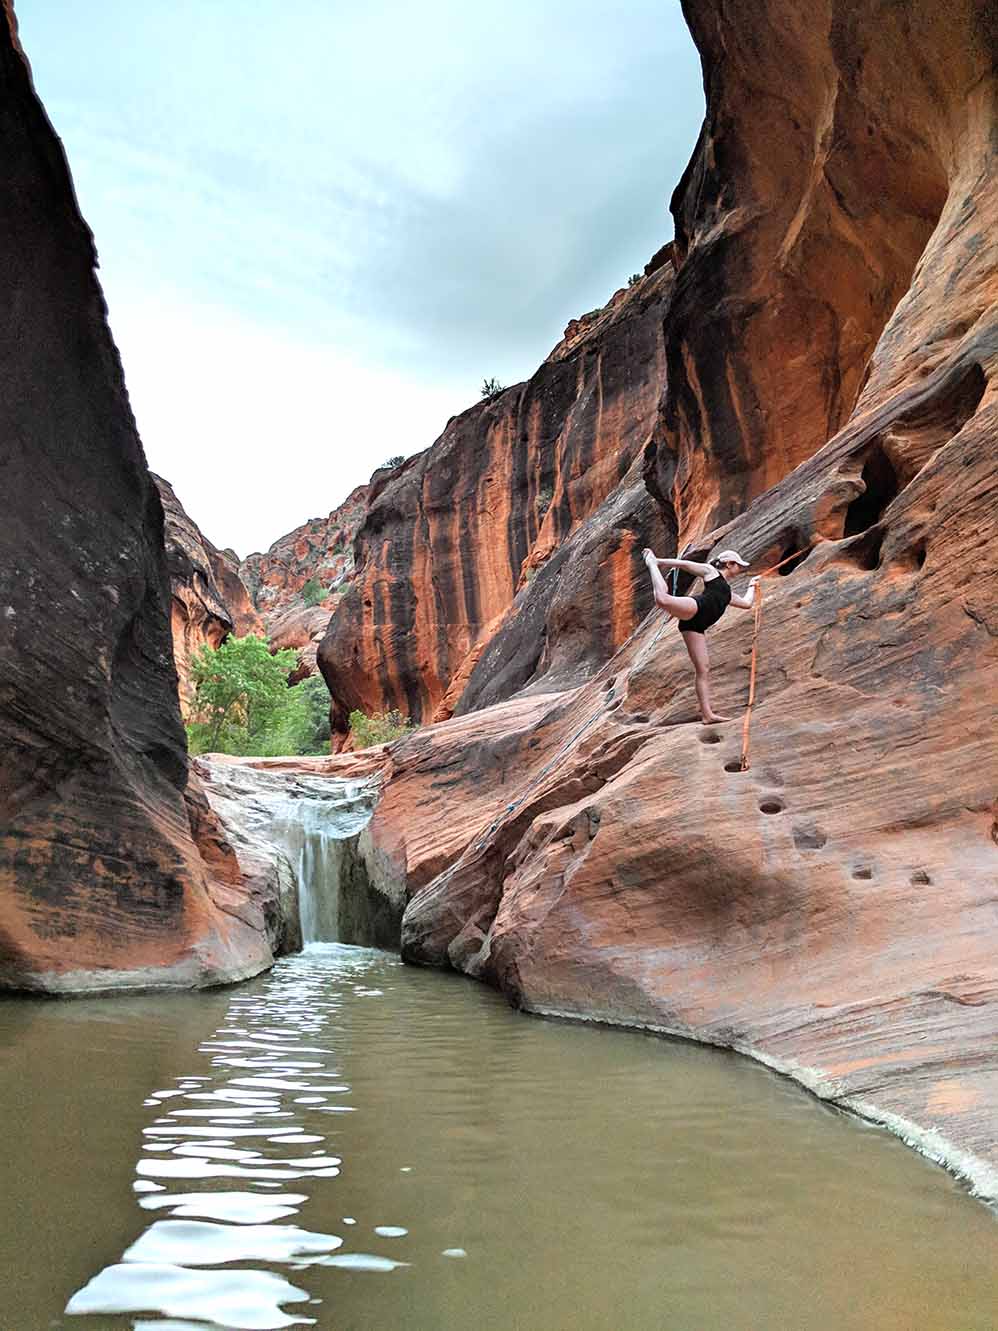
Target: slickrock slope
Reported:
[(518, 534), (101, 881), (209, 600), (833, 910)]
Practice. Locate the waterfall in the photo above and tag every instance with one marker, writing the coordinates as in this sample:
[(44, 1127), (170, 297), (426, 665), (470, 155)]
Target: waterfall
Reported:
[(314, 822), (317, 826)]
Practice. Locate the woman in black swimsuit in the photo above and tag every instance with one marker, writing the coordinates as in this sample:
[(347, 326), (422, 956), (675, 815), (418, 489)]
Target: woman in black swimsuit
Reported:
[(696, 614)]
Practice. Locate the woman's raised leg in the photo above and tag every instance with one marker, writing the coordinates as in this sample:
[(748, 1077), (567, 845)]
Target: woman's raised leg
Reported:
[(680, 607), (696, 645)]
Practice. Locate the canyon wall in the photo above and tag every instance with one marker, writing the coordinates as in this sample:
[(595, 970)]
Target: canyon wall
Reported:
[(830, 908), (320, 550), (208, 598), (508, 553), (103, 883)]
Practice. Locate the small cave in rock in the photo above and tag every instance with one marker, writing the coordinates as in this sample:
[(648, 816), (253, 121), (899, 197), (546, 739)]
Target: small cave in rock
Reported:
[(734, 766), (771, 806), (793, 556), (880, 488), (865, 550)]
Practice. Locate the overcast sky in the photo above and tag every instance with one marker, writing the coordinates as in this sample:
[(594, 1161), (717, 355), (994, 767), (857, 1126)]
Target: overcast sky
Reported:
[(321, 223)]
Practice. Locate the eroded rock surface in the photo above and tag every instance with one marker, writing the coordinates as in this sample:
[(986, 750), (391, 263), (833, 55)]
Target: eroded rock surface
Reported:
[(831, 910), (320, 550), (102, 880), (508, 554), (208, 598)]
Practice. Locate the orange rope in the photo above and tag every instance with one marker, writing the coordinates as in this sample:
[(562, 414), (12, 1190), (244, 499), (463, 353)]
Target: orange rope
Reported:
[(757, 617)]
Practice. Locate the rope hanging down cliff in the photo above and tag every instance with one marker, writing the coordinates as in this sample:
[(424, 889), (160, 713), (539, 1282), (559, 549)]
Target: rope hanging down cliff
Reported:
[(756, 619)]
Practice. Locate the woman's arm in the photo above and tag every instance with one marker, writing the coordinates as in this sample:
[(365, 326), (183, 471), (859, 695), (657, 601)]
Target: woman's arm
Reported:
[(705, 571), (745, 602)]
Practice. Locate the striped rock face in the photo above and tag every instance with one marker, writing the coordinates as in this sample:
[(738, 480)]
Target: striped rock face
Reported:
[(113, 872), (834, 329), (507, 555)]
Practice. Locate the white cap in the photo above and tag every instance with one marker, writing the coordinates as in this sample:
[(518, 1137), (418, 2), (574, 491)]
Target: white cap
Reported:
[(730, 557)]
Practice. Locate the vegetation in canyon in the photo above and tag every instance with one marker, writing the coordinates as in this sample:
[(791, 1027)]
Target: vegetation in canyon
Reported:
[(243, 705)]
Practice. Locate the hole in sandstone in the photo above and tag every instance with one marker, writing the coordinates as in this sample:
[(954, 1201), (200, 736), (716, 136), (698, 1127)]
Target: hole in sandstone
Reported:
[(914, 557), (793, 563), (771, 806), (864, 872), (865, 551), (880, 484), (809, 837), (735, 766), (920, 878), (710, 739)]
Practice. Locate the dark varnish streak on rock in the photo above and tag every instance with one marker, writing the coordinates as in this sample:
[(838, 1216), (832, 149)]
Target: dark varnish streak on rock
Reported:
[(98, 869)]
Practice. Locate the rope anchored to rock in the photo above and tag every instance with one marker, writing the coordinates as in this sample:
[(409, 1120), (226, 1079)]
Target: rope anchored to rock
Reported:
[(756, 620)]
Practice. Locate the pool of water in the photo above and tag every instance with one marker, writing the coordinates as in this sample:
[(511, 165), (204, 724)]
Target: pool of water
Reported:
[(352, 1144)]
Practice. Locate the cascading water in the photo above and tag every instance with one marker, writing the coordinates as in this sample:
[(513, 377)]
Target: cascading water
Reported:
[(316, 822)]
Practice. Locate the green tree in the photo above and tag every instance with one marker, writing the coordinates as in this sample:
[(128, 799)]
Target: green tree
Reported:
[(491, 388), (238, 689), (394, 461)]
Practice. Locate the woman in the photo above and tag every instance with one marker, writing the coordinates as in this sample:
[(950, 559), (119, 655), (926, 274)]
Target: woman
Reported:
[(697, 613)]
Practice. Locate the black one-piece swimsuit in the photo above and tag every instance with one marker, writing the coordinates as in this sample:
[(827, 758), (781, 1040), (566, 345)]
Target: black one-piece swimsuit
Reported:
[(711, 605)]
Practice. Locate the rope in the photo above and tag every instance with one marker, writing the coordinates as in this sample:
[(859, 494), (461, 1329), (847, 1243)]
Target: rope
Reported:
[(756, 620)]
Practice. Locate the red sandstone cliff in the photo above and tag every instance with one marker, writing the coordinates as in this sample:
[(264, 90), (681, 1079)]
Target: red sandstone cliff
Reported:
[(508, 553), (831, 910), (320, 550), (102, 879), (208, 597)]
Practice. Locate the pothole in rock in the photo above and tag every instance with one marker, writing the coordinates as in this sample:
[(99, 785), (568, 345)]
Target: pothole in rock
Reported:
[(809, 837), (772, 806)]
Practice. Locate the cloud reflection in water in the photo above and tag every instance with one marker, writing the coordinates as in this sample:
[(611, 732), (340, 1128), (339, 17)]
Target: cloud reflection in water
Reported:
[(257, 1130)]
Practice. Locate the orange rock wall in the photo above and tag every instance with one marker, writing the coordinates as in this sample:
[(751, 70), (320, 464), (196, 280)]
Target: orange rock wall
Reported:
[(830, 910), (831, 140), (459, 549)]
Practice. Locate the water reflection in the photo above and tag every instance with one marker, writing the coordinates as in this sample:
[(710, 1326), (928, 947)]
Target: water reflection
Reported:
[(551, 1177), (245, 1128)]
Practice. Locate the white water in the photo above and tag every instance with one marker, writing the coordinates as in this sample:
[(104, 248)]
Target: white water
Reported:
[(313, 820), (314, 827)]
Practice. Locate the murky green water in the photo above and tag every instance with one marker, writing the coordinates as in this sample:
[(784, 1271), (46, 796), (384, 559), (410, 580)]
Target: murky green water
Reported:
[(355, 1145)]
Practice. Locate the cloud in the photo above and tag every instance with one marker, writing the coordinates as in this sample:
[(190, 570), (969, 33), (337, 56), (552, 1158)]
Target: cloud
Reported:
[(334, 205)]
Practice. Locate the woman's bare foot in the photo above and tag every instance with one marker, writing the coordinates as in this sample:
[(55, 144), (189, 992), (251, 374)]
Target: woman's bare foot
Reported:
[(713, 720)]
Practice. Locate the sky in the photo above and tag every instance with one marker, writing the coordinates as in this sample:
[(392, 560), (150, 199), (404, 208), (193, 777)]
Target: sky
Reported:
[(321, 224)]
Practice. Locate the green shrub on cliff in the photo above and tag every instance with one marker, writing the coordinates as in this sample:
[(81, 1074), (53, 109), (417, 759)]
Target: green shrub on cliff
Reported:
[(381, 728), (242, 702), (313, 592)]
